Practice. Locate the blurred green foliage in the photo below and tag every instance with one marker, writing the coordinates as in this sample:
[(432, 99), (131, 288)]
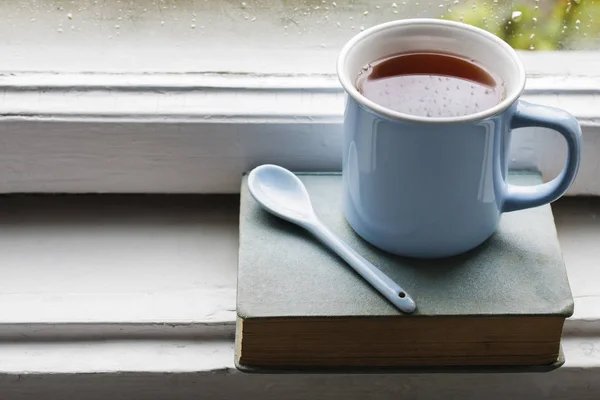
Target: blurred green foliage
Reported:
[(537, 25)]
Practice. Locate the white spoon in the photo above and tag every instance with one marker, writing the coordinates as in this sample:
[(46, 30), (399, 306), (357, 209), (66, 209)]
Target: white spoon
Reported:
[(281, 193)]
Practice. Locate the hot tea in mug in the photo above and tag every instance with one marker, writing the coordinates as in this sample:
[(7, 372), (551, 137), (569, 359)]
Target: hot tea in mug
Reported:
[(429, 116), (430, 85)]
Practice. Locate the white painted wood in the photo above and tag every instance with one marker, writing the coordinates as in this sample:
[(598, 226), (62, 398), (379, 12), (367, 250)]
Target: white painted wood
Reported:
[(90, 266), (116, 260), (198, 133), (99, 260), (199, 370)]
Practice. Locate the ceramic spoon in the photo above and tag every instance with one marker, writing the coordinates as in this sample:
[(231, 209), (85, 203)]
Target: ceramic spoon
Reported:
[(281, 193)]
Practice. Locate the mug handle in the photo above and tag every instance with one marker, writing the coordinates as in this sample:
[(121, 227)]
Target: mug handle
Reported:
[(526, 115)]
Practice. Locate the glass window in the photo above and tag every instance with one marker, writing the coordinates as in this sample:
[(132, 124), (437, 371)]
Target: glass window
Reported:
[(220, 35)]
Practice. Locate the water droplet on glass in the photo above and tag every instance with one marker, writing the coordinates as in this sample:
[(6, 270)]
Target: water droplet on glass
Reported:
[(253, 19), (59, 30), (244, 5), (162, 22), (32, 19), (532, 47), (334, 4), (531, 36), (366, 13), (193, 26), (516, 16), (394, 5), (117, 26), (577, 22), (338, 24), (70, 16), (362, 28), (534, 19)]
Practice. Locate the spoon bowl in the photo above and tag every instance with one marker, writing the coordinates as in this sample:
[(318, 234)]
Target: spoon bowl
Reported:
[(281, 193)]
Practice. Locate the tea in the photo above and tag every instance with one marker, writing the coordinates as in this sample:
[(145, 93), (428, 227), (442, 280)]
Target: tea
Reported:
[(430, 84)]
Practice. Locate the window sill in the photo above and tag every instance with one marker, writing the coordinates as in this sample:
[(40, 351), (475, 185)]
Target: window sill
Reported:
[(136, 295), (161, 132)]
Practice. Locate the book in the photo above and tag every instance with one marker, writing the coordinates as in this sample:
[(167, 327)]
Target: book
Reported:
[(299, 306)]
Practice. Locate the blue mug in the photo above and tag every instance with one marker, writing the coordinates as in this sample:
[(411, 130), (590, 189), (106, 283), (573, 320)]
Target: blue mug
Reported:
[(436, 187)]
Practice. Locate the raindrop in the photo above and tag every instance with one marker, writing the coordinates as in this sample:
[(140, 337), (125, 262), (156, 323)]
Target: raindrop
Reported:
[(334, 4), (244, 5), (193, 26), (162, 22), (534, 19), (394, 5), (577, 22), (531, 47), (531, 36), (32, 19), (117, 26), (516, 16), (253, 19), (338, 24), (362, 28), (59, 30), (70, 16), (366, 13)]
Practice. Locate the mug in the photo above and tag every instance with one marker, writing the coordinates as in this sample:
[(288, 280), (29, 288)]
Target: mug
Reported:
[(436, 187)]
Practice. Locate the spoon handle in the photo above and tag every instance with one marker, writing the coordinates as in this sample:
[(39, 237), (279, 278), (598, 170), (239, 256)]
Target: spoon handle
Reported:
[(380, 281)]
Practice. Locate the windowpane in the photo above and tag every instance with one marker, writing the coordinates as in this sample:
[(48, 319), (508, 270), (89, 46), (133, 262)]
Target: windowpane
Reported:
[(200, 34)]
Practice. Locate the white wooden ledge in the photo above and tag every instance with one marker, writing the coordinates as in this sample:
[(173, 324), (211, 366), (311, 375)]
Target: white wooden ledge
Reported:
[(134, 296)]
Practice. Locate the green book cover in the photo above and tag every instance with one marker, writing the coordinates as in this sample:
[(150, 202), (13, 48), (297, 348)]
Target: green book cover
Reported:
[(284, 272)]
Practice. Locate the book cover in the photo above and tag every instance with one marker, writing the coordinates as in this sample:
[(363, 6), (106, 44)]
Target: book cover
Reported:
[(284, 272)]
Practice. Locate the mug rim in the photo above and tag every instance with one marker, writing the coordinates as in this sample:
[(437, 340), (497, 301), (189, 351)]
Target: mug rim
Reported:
[(349, 86)]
